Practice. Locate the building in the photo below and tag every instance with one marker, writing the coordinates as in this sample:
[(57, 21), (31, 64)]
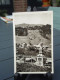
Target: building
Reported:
[(19, 5), (13, 5)]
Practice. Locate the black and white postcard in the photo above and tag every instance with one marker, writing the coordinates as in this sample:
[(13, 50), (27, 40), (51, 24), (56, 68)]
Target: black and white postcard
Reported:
[(33, 42)]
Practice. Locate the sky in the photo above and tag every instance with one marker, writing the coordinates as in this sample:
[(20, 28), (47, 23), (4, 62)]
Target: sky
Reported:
[(41, 17)]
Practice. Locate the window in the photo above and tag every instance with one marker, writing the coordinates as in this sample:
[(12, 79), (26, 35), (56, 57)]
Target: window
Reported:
[(0, 2), (39, 0), (7, 1), (4, 2)]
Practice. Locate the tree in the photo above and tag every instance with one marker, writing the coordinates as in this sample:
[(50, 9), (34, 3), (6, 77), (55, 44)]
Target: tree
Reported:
[(58, 2)]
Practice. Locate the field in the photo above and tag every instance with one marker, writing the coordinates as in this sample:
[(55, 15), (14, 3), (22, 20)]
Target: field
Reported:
[(26, 67)]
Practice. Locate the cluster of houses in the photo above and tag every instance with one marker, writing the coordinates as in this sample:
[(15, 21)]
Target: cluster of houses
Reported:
[(36, 59)]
